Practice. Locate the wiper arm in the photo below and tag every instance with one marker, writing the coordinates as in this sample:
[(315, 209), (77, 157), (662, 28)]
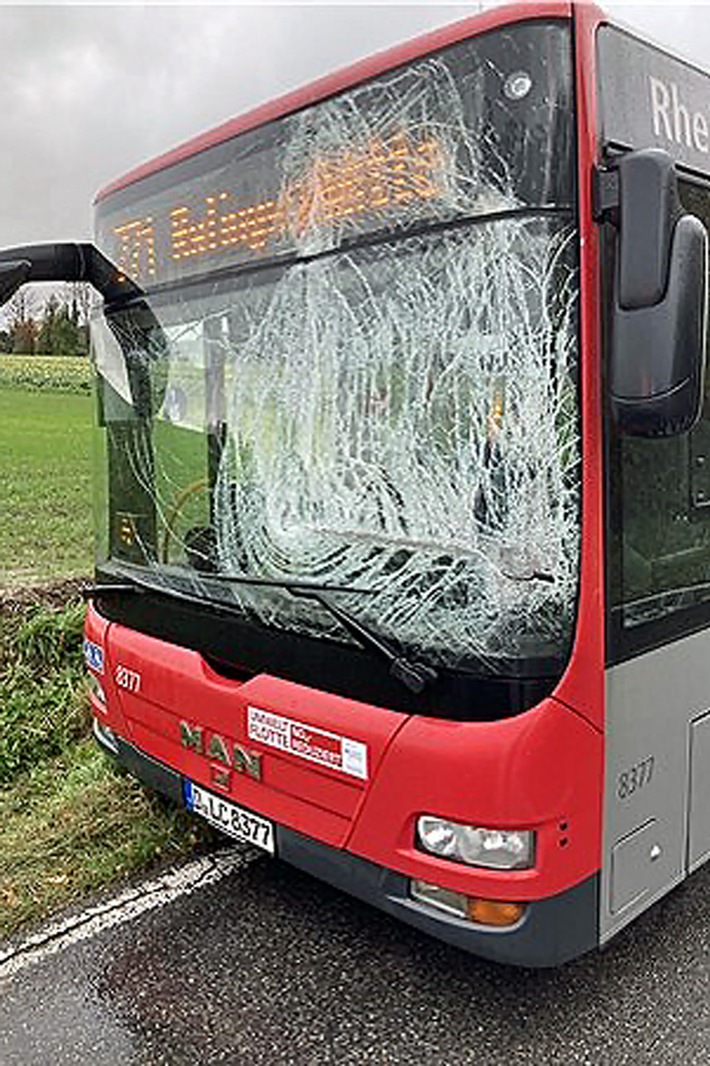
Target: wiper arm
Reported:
[(412, 674), (88, 592), (139, 585)]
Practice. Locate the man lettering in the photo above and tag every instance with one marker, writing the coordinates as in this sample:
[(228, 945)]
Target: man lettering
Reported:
[(218, 750), (247, 762), (191, 736)]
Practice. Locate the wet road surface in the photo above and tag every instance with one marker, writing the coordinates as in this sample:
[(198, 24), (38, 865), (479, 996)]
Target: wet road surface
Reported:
[(268, 966)]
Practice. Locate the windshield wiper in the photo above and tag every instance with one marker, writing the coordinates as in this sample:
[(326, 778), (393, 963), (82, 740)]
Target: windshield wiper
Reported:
[(413, 674), (283, 583), (88, 592)]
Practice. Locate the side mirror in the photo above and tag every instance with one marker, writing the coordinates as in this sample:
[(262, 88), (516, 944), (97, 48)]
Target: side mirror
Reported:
[(128, 313), (12, 276), (63, 262), (659, 322)]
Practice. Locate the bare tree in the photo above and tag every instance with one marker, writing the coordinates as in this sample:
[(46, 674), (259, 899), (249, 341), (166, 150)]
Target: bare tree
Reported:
[(78, 296), (22, 325)]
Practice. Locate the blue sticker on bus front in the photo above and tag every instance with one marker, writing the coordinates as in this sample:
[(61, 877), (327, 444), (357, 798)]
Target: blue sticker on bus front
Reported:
[(94, 656)]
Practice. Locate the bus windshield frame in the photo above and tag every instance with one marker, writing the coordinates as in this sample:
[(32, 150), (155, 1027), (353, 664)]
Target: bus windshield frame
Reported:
[(371, 370)]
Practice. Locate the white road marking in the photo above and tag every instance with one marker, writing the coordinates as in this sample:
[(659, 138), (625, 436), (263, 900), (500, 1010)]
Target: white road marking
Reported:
[(125, 907)]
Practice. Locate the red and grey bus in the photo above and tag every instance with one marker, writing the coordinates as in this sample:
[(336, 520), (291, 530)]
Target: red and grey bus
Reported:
[(403, 477)]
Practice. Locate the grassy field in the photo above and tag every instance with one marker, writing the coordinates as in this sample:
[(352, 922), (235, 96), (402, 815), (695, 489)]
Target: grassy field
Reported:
[(37, 373), (45, 515), (70, 822)]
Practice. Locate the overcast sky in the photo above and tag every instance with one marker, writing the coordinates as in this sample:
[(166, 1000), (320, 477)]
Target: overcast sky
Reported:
[(88, 92)]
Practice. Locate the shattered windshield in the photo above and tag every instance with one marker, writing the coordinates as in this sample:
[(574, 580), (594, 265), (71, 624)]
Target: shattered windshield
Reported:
[(363, 367)]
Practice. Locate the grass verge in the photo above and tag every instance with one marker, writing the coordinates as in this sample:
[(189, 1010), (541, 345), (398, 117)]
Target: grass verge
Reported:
[(38, 373), (45, 459), (70, 821)]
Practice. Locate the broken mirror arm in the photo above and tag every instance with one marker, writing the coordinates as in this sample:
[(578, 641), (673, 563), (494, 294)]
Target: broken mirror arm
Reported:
[(140, 338), (71, 262)]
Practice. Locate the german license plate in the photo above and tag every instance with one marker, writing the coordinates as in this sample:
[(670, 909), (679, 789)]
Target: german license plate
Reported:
[(238, 823)]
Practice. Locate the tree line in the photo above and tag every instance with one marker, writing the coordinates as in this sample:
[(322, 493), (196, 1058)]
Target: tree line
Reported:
[(59, 325)]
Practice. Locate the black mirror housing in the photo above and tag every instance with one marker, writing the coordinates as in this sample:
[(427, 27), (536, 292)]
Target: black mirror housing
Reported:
[(659, 320), (649, 207), (658, 366)]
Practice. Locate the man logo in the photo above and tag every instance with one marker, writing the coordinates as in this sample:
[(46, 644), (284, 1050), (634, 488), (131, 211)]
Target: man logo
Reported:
[(212, 745)]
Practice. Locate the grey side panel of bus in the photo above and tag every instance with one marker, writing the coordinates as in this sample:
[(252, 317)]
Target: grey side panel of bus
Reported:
[(650, 99), (658, 735), (657, 817)]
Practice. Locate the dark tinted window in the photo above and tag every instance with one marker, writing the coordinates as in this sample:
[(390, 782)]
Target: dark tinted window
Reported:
[(659, 516)]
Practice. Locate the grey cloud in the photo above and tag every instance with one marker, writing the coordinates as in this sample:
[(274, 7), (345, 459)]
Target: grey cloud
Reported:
[(89, 92)]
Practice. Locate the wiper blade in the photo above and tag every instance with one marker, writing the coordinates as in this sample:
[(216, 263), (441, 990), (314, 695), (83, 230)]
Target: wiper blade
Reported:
[(413, 674), (283, 583), (88, 592)]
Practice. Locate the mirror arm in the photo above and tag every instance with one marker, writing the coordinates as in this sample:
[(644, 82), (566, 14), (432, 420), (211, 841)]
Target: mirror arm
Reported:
[(64, 262), (606, 195)]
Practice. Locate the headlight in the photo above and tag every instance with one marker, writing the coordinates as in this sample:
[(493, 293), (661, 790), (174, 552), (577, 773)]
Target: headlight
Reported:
[(498, 849)]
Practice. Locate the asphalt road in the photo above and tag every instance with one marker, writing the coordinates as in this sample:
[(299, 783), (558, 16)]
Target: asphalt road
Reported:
[(268, 966)]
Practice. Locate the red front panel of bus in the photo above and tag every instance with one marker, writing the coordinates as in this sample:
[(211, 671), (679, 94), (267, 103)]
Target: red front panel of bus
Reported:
[(165, 691), (540, 770)]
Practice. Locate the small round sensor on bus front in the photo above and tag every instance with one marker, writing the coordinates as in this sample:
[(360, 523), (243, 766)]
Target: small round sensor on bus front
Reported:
[(517, 86)]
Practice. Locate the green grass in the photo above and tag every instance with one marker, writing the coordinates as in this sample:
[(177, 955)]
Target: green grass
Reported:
[(39, 373), (44, 706), (70, 821), (74, 825), (45, 520)]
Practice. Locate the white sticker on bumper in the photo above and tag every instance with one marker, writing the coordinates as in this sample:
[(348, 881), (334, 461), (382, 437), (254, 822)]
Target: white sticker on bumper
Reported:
[(308, 742)]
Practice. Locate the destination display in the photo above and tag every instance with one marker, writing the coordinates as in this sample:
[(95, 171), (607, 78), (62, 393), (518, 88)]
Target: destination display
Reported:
[(377, 178), (483, 126)]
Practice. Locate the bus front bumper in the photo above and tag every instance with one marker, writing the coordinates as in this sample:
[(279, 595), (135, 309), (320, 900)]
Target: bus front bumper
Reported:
[(552, 931)]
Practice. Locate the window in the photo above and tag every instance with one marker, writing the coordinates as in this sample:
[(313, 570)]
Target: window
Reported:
[(659, 521)]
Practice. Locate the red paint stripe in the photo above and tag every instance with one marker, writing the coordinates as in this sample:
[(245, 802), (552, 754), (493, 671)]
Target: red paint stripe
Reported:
[(340, 80), (582, 686)]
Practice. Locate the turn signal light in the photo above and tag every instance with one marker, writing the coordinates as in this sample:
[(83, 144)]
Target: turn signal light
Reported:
[(494, 913)]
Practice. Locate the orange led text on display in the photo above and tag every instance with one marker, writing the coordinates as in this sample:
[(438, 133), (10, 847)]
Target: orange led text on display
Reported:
[(136, 248), (384, 175)]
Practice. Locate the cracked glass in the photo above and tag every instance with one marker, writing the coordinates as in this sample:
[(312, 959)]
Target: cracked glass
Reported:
[(360, 362)]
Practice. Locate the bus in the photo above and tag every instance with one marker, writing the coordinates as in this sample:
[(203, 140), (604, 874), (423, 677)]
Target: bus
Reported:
[(403, 478)]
